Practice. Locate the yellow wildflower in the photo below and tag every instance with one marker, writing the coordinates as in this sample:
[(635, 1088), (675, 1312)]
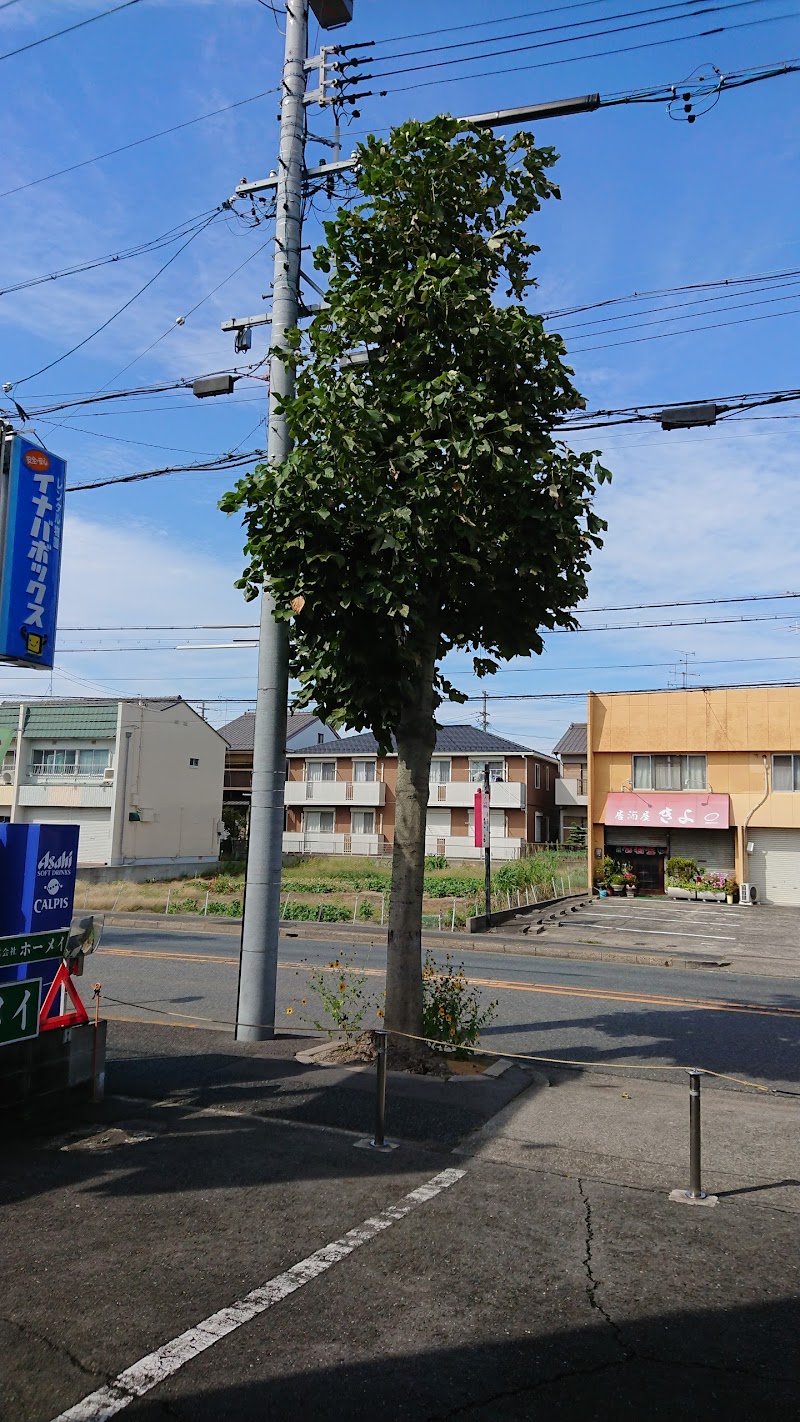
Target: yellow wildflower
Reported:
[(289, 1011)]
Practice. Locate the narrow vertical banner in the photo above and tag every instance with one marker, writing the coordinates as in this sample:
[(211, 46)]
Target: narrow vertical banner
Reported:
[(30, 553), (478, 819), (486, 819)]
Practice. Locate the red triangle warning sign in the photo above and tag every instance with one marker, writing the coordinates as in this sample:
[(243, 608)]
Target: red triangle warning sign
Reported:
[(61, 980)]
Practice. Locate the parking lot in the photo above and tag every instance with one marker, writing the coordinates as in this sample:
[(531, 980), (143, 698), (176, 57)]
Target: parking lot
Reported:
[(750, 939)]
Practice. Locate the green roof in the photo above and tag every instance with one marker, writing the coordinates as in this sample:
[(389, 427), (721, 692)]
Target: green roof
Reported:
[(77, 721)]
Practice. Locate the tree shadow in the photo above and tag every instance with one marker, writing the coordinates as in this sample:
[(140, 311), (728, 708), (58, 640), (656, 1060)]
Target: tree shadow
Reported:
[(727, 1365), (737, 1043)]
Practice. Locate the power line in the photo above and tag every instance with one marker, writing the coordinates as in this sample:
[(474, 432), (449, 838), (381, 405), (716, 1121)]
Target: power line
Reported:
[(483, 24), (223, 461), (137, 143), (594, 54), (620, 691), (79, 25), (142, 289), (152, 245), (689, 7)]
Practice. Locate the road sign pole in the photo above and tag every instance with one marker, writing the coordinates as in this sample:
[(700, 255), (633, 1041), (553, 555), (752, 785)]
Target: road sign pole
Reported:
[(255, 1008), (487, 846)]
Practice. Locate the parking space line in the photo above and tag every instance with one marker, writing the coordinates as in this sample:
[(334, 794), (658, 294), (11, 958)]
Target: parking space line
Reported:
[(156, 1367), (655, 932)]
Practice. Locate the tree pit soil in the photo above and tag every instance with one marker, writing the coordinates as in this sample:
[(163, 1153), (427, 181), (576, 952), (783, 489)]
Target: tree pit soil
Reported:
[(420, 1060)]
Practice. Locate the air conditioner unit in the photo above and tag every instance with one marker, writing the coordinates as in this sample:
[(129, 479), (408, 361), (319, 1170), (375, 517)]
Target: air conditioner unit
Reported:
[(108, 773), (748, 894), (7, 777)]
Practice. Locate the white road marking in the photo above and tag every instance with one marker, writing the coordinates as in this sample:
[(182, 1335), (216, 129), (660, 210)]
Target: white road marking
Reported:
[(156, 1367), (655, 932)]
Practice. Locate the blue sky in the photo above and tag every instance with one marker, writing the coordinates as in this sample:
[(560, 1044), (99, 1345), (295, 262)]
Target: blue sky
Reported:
[(647, 203)]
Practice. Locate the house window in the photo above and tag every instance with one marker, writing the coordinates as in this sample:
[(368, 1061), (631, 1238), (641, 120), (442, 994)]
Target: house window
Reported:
[(318, 821), (53, 762), (93, 762), (363, 770), (669, 772), (362, 821), (786, 772), (440, 772), (321, 770), (496, 770), (537, 775), (194, 760), (497, 823), (320, 738)]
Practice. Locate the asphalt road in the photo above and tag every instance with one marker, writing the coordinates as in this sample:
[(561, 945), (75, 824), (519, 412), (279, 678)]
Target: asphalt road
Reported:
[(634, 1017)]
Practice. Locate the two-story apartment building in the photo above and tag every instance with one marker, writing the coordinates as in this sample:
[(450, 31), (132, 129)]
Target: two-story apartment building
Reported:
[(303, 729), (712, 774), (141, 777), (340, 796), (572, 784)]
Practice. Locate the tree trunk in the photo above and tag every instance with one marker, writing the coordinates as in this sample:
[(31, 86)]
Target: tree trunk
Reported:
[(416, 738)]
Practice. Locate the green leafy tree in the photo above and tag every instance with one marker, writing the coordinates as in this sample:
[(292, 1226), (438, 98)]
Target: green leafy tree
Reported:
[(427, 506)]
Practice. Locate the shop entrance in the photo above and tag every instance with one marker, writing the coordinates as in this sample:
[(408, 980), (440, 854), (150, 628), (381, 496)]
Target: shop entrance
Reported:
[(647, 864)]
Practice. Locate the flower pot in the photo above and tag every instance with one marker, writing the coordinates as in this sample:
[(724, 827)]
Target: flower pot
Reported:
[(617, 888), (711, 896), (630, 892), (674, 892), (729, 899)]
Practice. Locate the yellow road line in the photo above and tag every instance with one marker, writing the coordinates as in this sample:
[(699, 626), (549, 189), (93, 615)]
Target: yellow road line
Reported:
[(756, 1009)]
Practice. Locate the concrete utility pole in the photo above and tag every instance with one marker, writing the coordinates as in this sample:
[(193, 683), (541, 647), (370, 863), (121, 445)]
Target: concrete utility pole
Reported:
[(258, 969)]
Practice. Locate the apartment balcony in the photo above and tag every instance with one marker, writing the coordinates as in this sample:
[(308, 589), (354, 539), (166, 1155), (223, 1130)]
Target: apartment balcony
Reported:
[(462, 847), (572, 794), (460, 794), (6, 792), (367, 844), (361, 794), (77, 791)]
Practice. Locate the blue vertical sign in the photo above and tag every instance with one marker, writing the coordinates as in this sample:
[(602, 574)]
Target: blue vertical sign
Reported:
[(30, 554), (38, 867)]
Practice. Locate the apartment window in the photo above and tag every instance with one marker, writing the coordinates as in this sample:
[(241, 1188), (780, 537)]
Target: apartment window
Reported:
[(321, 770), (669, 772), (537, 775), (786, 772), (496, 770), (318, 821), (53, 762), (362, 821), (94, 762), (440, 772), (363, 771), (194, 760)]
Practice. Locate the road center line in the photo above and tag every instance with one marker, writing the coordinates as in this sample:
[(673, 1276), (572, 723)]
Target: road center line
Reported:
[(156, 1367)]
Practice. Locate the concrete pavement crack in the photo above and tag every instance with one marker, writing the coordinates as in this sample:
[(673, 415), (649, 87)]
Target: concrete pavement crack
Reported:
[(550, 1381), (593, 1284), (28, 1331)]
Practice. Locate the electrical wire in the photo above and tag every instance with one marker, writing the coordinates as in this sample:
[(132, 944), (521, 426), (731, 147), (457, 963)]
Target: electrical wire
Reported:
[(594, 54), (223, 461), (484, 24), (572, 38), (689, 7), (137, 142), (79, 25), (142, 289), (154, 244)]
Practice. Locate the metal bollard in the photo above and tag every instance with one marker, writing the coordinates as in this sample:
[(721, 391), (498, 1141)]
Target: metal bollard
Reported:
[(380, 1100), (696, 1191), (695, 1195)]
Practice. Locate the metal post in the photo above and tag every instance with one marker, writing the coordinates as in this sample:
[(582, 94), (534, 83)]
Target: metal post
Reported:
[(258, 969), (695, 1190), (205, 909), (487, 848), (98, 1078), (383, 906), (380, 1100), (166, 910)]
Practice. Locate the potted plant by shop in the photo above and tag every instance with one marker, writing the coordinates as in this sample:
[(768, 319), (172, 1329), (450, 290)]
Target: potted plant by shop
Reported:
[(617, 882), (731, 891), (711, 888), (681, 878), (630, 884)]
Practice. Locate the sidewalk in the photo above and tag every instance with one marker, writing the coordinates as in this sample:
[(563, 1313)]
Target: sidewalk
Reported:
[(536, 1270)]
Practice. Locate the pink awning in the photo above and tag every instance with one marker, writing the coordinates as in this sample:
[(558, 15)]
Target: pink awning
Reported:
[(695, 809)]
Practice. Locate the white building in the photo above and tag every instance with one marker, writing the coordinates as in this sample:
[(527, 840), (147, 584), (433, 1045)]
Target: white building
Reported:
[(142, 778)]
